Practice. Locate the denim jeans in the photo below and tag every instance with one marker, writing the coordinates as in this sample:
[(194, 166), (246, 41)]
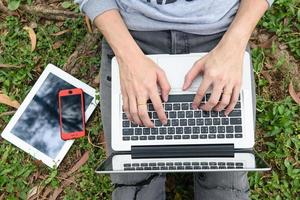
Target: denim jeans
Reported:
[(147, 186)]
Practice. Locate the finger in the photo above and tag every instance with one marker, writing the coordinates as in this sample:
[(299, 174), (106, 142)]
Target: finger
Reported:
[(157, 104), (201, 92), (233, 100), (164, 85), (144, 116), (214, 97), (225, 99), (133, 109), (125, 103), (193, 73)]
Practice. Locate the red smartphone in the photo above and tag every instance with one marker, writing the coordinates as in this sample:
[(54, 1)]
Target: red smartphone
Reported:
[(71, 113)]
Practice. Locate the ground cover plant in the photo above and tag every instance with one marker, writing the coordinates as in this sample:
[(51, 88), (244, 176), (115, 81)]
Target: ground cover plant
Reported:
[(65, 38)]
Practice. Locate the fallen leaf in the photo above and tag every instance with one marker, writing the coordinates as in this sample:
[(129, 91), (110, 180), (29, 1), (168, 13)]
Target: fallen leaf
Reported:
[(2, 196), (268, 43), (81, 162), (59, 190), (61, 32), (267, 76), (33, 191), (88, 24), (58, 44), (4, 99), (8, 66), (293, 93), (7, 113), (32, 37)]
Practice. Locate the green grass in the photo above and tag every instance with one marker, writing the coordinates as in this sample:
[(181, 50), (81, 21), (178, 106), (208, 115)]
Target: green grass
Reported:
[(278, 120)]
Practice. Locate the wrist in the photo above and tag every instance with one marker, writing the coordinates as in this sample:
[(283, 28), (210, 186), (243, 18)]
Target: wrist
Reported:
[(235, 40), (128, 53)]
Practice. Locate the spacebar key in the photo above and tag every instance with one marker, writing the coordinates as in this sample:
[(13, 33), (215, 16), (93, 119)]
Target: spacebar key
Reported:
[(181, 98)]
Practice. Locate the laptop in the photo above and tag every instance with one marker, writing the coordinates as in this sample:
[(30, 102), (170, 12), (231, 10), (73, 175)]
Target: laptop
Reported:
[(192, 140)]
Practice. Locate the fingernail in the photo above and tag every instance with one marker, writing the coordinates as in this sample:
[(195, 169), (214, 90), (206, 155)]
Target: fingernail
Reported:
[(166, 98)]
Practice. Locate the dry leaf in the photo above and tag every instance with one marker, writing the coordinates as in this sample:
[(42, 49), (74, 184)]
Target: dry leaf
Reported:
[(267, 76), (32, 192), (4, 99), (2, 196), (61, 32), (88, 24), (8, 66), (293, 93), (81, 162), (7, 113), (268, 43), (57, 191), (32, 37), (58, 44)]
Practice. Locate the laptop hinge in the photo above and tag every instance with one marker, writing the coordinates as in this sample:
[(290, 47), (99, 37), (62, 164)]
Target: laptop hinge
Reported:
[(177, 151)]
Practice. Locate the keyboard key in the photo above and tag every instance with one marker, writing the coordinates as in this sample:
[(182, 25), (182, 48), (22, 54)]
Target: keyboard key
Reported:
[(234, 121), (214, 167), (127, 165), (124, 116), (138, 131), (154, 115), (238, 135), (151, 137), (175, 122), (214, 113), (133, 124), (169, 137), (180, 167), (172, 168), (150, 115), (152, 164), (235, 113), (177, 137), (222, 113), (129, 168), (172, 114), (212, 163), (204, 129), (144, 164), (197, 113), (229, 135), (143, 137), (216, 121), (168, 123), (169, 164), (188, 167), (146, 131), (238, 129), (221, 129), (181, 114), (176, 106), (195, 163), (134, 137), (196, 130), (157, 122), (178, 163), (205, 113), (205, 167), (239, 164), (187, 130), (225, 121), (147, 168), (212, 129), (186, 137), (229, 129), (127, 131), (194, 136), (126, 123), (186, 163), (208, 121), (171, 130), (189, 114), (168, 106), (150, 107), (211, 136), (237, 105), (203, 136), (221, 163), (191, 106), (183, 122), (155, 168), (162, 130), (154, 131), (204, 163), (191, 122), (161, 164), (207, 96), (179, 130), (199, 122), (135, 164), (197, 167), (160, 137), (221, 136), (185, 106)]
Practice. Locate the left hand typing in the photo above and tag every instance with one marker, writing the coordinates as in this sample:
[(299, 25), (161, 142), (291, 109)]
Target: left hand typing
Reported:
[(222, 70)]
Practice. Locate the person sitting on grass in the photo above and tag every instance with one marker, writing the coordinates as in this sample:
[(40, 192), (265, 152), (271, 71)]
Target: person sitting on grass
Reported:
[(134, 28)]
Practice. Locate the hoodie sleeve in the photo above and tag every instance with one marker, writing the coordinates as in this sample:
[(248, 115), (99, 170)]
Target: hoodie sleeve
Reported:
[(93, 8), (270, 2)]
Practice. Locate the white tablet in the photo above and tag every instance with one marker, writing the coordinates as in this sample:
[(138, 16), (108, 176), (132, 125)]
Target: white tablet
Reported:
[(35, 126)]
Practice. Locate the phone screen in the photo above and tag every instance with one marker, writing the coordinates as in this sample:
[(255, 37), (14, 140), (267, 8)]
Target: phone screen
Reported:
[(71, 113)]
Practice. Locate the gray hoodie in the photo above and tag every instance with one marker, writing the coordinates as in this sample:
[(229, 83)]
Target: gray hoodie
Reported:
[(203, 17)]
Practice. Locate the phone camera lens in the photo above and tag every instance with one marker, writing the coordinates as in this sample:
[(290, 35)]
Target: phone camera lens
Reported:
[(70, 91)]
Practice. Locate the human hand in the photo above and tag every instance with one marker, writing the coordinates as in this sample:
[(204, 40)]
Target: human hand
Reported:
[(221, 69), (139, 77)]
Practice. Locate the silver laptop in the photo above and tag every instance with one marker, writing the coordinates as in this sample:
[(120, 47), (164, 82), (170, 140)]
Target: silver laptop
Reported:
[(192, 140)]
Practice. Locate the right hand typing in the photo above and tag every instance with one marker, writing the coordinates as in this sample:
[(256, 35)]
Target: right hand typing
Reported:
[(139, 78)]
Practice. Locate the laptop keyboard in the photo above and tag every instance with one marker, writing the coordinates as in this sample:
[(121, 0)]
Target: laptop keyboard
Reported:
[(182, 165), (185, 123)]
